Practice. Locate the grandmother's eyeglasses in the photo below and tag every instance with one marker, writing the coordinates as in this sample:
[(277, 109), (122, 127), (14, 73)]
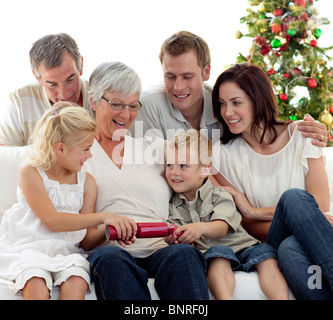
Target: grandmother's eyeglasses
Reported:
[(121, 106)]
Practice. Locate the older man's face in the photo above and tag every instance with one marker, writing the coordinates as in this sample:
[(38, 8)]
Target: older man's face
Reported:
[(62, 83)]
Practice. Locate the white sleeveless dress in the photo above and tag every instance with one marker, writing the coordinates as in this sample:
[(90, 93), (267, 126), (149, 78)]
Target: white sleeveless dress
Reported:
[(26, 244)]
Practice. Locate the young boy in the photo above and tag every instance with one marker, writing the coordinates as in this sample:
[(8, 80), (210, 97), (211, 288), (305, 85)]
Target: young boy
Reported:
[(208, 217)]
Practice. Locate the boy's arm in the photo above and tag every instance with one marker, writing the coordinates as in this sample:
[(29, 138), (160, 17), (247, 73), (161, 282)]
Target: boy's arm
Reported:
[(215, 229), (193, 231)]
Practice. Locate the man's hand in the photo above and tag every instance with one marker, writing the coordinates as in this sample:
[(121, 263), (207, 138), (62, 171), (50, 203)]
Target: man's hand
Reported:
[(313, 130)]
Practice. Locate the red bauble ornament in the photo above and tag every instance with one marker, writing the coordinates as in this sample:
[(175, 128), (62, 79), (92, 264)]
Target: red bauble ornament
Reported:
[(265, 49), (286, 75), (304, 17), (278, 12), (312, 83), (300, 3), (270, 71), (331, 109), (314, 43), (283, 97), (284, 47), (276, 28)]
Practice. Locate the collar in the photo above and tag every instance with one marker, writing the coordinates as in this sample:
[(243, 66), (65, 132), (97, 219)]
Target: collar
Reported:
[(207, 116), (208, 113), (202, 192)]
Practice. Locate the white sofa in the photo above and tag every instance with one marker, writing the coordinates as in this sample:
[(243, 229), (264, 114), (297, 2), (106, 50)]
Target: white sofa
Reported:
[(11, 158)]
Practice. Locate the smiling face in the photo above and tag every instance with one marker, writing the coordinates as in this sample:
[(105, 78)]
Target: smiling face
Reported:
[(62, 83), (236, 108), (114, 124), (73, 158), (183, 80), (182, 175)]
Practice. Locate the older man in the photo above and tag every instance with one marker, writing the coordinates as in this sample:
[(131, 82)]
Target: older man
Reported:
[(57, 65)]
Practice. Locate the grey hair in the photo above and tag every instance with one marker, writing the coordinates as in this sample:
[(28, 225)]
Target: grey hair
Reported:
[(49, 51), (114, 77)]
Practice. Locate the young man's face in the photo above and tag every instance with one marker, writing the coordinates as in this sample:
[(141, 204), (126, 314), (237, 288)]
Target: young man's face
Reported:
[(183, 176), (183, 80), (62, 83)]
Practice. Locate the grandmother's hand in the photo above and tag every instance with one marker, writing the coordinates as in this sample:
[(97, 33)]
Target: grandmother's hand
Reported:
[(313, 130)]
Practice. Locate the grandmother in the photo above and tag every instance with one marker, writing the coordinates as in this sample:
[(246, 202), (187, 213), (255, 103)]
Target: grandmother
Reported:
[(130, 179)]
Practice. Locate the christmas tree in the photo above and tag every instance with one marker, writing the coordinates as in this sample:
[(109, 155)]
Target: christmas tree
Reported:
[(286, 45)]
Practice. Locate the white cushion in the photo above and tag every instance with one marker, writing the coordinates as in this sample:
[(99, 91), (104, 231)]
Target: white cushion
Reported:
[(11, 158)]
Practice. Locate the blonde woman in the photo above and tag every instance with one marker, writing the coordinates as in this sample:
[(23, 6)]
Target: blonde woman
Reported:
[(40, 235)]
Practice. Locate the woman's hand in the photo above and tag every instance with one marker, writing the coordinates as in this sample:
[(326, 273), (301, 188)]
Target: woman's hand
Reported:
[(241, 202), (245, 207)]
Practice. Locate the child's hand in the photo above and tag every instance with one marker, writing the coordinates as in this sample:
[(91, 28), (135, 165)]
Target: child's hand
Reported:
[(171, 239), (126, 228), (123, 243), (190, 232)]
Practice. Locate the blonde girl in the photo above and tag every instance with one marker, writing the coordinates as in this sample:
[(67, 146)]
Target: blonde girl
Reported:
[(40, 236)]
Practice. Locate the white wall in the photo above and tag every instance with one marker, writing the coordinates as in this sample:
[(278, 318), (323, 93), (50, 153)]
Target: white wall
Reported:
[(131, 31)]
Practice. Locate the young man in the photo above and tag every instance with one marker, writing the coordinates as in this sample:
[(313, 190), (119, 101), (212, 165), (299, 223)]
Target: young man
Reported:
[(57, 65), (184, 101)]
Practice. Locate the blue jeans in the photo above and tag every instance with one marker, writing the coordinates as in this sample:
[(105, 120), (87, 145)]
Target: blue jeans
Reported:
[(179, 272), (245, 259), (304, 239)]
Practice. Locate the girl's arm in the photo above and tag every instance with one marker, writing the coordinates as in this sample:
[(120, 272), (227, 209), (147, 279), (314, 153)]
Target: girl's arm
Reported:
[(95, 236), (33, 189)]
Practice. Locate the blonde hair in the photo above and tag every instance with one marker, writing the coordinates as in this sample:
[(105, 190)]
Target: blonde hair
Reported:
[(65, 122), (198, 145)]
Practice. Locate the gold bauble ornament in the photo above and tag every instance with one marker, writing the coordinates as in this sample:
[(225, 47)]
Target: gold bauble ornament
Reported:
[(326, 118), (238, 34)]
